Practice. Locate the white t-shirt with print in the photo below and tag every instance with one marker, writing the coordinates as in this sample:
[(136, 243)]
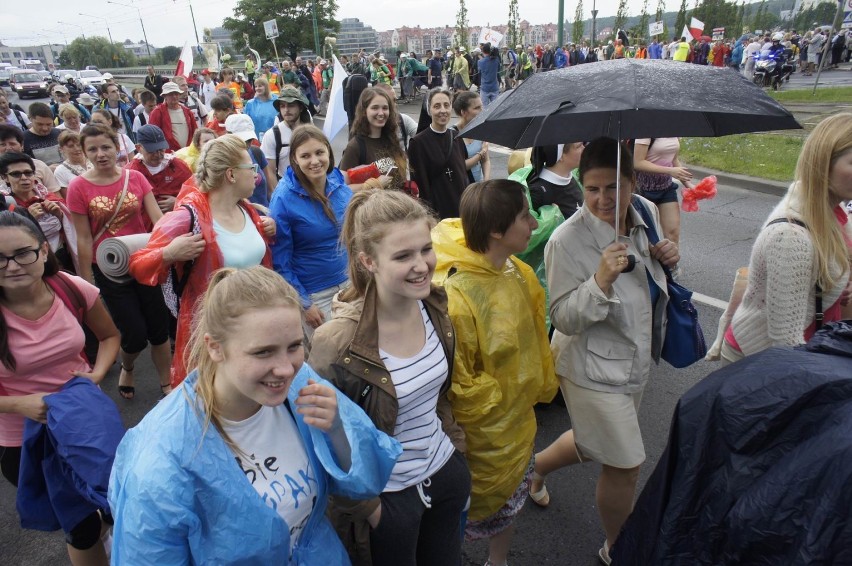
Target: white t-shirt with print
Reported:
[(276, 464)]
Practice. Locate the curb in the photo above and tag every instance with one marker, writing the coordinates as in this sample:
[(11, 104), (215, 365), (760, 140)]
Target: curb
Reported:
[(767, 186)]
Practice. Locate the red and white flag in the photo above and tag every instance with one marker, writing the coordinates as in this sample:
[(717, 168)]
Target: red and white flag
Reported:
[(184, 64), (696, 27)]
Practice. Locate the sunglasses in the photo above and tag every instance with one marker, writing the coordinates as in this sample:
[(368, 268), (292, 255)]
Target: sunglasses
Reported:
[(254, 167), (19, 174)]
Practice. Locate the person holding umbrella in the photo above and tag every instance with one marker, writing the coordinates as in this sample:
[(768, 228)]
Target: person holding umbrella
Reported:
[(610, 325)]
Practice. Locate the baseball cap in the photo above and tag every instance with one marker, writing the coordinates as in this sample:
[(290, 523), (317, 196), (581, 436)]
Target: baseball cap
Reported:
[(241, 125), (171, 87), (60, 88), (107, 76), (151, 138)]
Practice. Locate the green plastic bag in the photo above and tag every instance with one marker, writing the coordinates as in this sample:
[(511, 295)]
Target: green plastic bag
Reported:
[(549, 217)]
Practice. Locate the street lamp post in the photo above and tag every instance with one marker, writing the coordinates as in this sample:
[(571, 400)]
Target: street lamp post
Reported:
[(594, 21), (82, 29), (106, 23), (144, 35)]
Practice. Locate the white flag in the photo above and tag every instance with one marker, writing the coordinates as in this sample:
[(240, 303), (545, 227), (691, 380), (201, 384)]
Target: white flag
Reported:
[(184, 64), (335, 118), (488, 35)]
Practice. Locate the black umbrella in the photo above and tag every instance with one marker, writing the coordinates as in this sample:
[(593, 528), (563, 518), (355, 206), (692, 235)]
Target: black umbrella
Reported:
[(646, 98), (628, 99)]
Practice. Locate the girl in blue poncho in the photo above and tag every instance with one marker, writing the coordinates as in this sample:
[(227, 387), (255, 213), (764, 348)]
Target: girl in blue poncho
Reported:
[(236, 465)]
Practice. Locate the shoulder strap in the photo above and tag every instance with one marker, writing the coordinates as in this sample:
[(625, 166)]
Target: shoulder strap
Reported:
[(117, 206), (142, 119), (20, 118), (403, 132), (279, 144), (362, 149), (819, 315), (650, 229), (69, 294), (256, 153)]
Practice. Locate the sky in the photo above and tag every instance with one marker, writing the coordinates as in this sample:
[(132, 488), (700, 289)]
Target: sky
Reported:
[(168, 22)]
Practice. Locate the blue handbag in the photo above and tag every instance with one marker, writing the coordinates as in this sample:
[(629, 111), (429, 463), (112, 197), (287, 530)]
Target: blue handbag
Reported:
[(684, 342)]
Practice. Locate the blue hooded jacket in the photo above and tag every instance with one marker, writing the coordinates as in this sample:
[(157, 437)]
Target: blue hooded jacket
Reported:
[(65, 463), (178, 495), (306, 251)]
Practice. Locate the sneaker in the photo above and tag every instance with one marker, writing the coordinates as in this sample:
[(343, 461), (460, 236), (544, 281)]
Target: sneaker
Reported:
[(603, 555)]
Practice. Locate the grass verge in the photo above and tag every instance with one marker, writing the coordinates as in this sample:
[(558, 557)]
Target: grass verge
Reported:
[(771, 156), (823, 94)]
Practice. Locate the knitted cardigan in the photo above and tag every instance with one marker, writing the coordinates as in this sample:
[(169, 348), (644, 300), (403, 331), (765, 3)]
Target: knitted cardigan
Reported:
[(779, 302)]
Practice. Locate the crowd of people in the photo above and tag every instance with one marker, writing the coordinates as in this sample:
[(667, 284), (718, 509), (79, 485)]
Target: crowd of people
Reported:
[(349, 351)]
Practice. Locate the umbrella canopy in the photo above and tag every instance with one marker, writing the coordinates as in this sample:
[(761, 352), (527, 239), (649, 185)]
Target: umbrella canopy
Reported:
[(628, 99)]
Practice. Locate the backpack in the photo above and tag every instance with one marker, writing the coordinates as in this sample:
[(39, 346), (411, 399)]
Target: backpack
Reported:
[(279, 144), (176, 282), (353, 86)]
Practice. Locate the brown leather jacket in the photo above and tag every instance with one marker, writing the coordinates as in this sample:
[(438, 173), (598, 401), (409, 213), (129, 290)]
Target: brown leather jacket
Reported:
[(345, 351)]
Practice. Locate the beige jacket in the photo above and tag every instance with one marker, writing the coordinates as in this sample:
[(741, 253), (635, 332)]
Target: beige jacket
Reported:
[(604, 343)]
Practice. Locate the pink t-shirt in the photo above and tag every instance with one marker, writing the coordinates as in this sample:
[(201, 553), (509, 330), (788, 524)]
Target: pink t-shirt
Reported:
[(99, 201), (46, 351)]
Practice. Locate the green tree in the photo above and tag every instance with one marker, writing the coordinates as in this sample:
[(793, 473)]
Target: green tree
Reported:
[(513, 31), (659, 16), (295, 23), (169, 54), (462, 31), (681, 18), (620, 16), (643, 21), (738, 23), (579, 26), (97, 51)]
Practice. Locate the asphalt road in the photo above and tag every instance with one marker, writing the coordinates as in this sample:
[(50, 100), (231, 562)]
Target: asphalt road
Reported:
[(715, 242)]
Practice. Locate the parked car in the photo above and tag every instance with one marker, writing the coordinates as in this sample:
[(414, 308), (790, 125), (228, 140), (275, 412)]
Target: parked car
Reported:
[(89, 78), (92, 68), (5, 75), (28, 83)]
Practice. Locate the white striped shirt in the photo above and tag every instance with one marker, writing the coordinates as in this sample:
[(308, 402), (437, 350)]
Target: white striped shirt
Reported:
[(418, 380)]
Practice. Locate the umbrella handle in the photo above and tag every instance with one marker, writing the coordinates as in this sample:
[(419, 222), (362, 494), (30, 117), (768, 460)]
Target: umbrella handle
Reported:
[(631, 263)]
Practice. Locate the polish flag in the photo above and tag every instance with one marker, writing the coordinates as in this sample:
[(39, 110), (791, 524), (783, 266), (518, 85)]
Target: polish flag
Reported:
[(184, 65), (696, 27)]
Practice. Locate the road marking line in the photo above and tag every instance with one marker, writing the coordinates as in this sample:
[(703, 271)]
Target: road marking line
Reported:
[(709, 301)]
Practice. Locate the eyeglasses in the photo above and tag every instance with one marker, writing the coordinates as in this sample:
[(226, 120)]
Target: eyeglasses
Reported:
[(19, 174), (26, 257), (254, 167)]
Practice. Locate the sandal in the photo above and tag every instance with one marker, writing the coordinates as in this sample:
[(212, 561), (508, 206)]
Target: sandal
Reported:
[(126, 391), (603, 555), (540, 497)]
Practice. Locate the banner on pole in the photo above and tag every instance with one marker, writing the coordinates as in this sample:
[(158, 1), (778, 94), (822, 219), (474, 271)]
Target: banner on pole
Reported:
[(488, 35), (655, 28), (211, 54), (718, 34), (271, 28)]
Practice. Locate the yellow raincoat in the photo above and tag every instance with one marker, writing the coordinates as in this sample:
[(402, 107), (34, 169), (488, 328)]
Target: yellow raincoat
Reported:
[(503, 365)]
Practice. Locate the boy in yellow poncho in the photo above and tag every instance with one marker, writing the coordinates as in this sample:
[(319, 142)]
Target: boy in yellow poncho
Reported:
[(502, 363)]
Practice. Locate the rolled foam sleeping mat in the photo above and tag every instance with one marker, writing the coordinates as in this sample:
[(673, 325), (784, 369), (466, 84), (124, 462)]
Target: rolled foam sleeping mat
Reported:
[(113, 257)]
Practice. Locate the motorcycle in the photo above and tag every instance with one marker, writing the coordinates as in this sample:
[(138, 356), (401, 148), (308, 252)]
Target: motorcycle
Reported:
[(772, 68)]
